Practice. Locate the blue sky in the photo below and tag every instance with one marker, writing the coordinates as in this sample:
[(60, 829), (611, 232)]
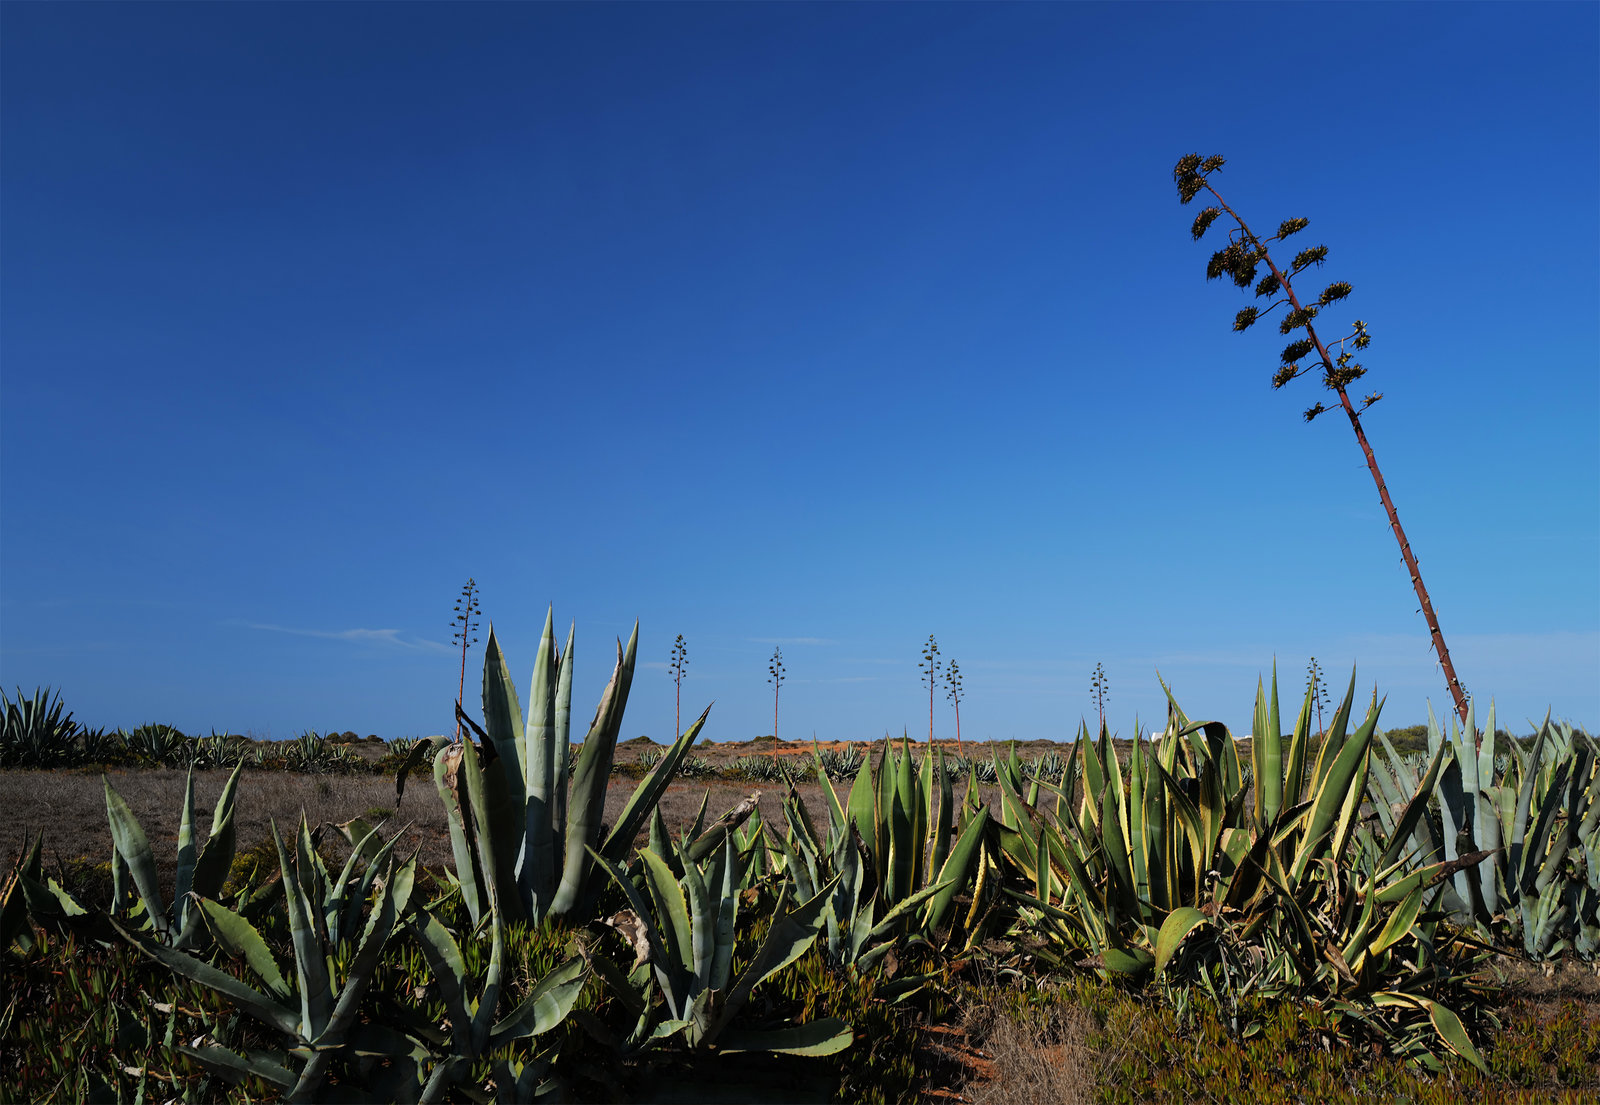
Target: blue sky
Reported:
[(819, 327)]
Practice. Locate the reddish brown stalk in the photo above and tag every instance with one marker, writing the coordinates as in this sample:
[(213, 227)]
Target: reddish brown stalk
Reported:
[(1457, 693)]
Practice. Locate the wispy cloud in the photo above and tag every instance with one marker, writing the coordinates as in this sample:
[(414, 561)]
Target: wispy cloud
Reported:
[(365, 636), (791, 641)]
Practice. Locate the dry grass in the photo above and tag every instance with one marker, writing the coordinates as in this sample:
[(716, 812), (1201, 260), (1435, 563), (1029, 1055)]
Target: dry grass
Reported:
[(70, 808), (1041, 1058)]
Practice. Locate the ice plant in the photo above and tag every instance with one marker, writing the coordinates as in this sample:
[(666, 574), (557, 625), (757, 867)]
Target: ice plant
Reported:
[(464, 625), (1240, 260)]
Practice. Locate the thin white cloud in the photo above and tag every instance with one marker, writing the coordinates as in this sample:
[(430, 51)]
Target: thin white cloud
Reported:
[(367, 636), (791, 641)]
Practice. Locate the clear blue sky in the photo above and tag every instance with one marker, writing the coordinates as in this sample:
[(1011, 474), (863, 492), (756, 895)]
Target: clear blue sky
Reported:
[(821, 326)]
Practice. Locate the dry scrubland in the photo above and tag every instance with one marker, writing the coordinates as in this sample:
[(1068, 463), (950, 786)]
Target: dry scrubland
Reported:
[(998, 1039)]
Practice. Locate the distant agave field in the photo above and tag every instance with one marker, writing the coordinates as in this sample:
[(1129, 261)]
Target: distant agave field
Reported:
[(1321, 891)]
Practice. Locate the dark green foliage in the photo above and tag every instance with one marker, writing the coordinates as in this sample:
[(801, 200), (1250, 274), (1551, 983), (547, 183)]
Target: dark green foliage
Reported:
[(85, 1021), (39, 732)]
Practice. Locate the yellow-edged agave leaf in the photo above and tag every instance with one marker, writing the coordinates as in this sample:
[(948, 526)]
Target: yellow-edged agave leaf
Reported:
[(957, 872), (1333, 791), (1179, 924), (1399, 924), (1411, 817), (1445, 1023), (1266, 754)]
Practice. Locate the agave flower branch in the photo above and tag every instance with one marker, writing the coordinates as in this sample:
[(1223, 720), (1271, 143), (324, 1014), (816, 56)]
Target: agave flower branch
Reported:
[(464, 625), (1240, 260), (680, 662), (930, 675), (952, 679), (1100, 690), (775, 677)]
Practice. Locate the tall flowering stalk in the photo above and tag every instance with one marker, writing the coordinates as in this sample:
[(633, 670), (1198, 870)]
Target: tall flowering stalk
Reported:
[(930, 676), (1100, 690), (680, 662), (1240, 261), (952, 679), (775, 677), (464, 625)]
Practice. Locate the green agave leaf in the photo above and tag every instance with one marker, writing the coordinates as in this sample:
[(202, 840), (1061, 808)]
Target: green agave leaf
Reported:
[(239, 938), (1399, 924), (184, 879), (502, 712), (1179, 924), (1333, 786), (546, 1005), (792, 932), (589, 781), (316, 997), (862, 804), (449, 973), (904, 907), (1127, 961), (646, 797), (1445, 1022), (956, 873), (134, 848), (236, 1067), (530, 776), (671, 912), (216, 857), (827, 1036), (835, 810), (1412, 816), (246, 997)]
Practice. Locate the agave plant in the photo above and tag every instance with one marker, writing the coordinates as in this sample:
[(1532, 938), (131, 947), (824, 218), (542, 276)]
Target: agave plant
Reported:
[(890, 880), (685, 935), (513, 796), (202, 867), (1168, 864), (340, 928), (158, 745), (35, 732), (763, 769), (1535, 819), (840, 764), (314, 754)]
